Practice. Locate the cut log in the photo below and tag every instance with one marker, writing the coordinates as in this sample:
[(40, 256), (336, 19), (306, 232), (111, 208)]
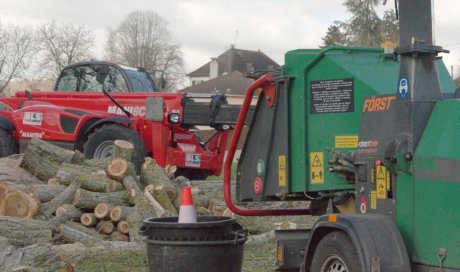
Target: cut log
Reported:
[(122, 227), (119, 213), (88, 219), (152, 173), (95, 165), (134, 191), (118, 236), (53, 181), (160, 193), (89, 179), (159, 210), (74, 232), (143, 207), (105, 227), (123, 149), (102, 210), (65, 197), (43, 159), (117, 169), (69, 211), (19, 204), (44, 192), (4, 188), (88, 200), (40, 255), (23, 231), (134, 224), (114, 186), (10, 171)]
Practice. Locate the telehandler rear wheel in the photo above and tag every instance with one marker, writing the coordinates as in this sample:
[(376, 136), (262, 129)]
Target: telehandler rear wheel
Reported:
[(100, 143), (335, 253), (8, 145)]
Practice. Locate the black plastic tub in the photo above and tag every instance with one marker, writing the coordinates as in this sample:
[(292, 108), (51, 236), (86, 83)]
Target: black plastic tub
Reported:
[(214, 243)]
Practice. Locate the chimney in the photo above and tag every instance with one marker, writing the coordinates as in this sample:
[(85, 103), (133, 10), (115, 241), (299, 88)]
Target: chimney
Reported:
[(213, 68)]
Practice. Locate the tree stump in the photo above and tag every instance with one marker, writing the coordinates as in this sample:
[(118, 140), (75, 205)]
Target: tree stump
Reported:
[(122, 227)]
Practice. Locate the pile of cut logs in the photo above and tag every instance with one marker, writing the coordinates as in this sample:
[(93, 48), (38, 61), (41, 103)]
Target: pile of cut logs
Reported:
[(89, 201)]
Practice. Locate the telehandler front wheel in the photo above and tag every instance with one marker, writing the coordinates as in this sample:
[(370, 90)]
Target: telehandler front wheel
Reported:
[(8, 145), (335, 253), (100, 143)]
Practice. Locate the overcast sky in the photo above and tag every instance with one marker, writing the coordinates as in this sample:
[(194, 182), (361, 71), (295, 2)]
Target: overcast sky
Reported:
[(206, 28)]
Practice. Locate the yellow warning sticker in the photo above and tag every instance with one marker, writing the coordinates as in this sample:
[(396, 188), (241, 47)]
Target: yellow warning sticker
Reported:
[(282, 171), (372, 175), (381, 182), (388, 181), (373, 200), (346, 141), (317, 167)]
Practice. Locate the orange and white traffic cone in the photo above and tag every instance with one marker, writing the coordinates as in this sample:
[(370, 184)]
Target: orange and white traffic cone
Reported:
[(187, 211)]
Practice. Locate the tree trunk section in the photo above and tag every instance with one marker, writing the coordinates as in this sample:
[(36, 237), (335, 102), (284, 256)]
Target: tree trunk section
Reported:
[(102, 210), (90, 180), (19, 204), (105, 227), (23, 231), (74, 232), (152, 173), (43, 159), (44, 192), (114, 186), (160, 193), (65, 197), (88, 219), (119, 213), (117, 169), (118, 236), (122, 227), (69, 211), (89, 200), (123, 149)]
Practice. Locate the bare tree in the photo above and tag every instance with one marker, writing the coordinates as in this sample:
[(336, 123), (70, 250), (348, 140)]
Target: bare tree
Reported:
[(17, 45), (143, 40), (64, 44)]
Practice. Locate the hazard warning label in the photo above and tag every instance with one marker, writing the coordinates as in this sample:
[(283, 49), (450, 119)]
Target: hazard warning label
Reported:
[(381, 182), (282, 171), (316, 167)]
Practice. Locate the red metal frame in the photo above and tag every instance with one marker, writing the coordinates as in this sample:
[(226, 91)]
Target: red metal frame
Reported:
[(266, 84)]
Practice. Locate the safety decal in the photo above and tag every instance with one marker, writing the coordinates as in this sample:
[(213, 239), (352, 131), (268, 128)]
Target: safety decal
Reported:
[(32, 118), (260, 167), (362, 205), (381, 182), (317, 167), (282, 171), (373, 200), (346, 141), (403, 87), (192, 160)]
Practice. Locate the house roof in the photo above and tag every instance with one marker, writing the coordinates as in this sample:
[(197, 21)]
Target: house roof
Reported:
[(237, 60), (230, 84)]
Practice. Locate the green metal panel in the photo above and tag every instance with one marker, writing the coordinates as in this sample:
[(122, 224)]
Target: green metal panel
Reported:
[(372, 75), (436, 188)]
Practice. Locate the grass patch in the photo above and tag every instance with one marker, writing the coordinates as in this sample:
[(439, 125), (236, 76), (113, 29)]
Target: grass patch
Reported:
[(118, 263)]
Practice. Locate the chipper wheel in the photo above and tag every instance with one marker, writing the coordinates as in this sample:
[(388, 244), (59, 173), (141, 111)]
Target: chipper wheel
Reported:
[(335, 253)]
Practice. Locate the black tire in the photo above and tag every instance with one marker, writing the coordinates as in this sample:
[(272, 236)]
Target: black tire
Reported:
[(192, 174), (335, 253), (8, 145), (100, 143)]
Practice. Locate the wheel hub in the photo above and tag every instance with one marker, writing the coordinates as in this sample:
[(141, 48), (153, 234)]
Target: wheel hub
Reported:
[(334, 264), (103, 150)]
